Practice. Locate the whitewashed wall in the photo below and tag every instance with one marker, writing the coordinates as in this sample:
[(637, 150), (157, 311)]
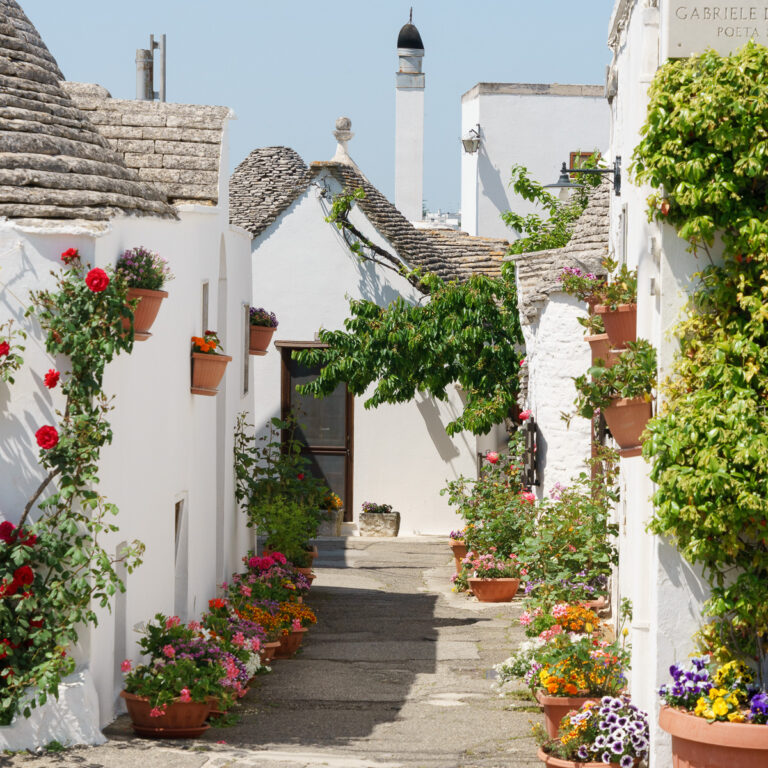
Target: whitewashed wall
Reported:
[(304, 272), (523, 124), (555, 355), (667, 594), (169, 445)]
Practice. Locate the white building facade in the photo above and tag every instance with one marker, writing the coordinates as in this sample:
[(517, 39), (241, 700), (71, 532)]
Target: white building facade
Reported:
[(539, 126)]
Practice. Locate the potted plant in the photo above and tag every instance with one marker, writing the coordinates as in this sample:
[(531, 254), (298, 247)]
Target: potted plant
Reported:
[(585, 286), (597, 339), (332, 515), (458, 547), (623, 393), (561, 617), (611, 731), (171, 694), (618, 306), (208, 364), (263, 325), (378, 520), (716, 715), (494, 579), (145, 273)]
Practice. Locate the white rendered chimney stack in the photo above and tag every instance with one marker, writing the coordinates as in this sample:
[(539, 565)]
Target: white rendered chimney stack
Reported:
[(409, 124)]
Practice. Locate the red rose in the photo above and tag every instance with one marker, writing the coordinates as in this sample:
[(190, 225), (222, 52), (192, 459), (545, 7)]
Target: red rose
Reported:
[(525, 415), (24, 575), (51, 378), (47, 437), (97, 280), (70, 255), (492, 457), (300, 475), (36, 623), (6, 531), (5, 348)]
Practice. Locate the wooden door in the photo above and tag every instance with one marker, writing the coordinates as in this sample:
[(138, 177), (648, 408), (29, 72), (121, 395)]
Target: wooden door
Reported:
[(326, 428)]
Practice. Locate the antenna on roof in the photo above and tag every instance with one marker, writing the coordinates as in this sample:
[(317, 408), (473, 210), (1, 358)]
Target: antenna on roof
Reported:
[(410, 17), (145, 70)]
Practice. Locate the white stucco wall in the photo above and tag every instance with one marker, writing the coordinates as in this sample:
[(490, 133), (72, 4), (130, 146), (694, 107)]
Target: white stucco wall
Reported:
[(534, 125), (667, 594), (304, 272), (555, 356), (169, 445), (409, 147)]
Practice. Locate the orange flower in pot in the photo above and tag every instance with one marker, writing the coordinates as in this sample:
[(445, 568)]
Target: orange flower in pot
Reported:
[(208, 364)]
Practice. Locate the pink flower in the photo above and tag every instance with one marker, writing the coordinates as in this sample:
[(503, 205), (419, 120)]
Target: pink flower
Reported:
[(560, 610), (245, 591), (158, 711), (526, 619), (492, 457), (238, 639), (522, 361), (172, 621), (255, 644), (254, 562), (523, 571), (185, 695), (169, 651), (279, 557), (525, 415), (125, 666), (295, 625), (195, 626), (528, 496)]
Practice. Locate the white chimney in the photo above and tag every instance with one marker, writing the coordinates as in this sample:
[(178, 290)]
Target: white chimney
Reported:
[(409, 124)]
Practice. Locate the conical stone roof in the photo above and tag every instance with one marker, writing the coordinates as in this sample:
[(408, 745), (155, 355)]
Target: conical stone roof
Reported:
[(53, 162)]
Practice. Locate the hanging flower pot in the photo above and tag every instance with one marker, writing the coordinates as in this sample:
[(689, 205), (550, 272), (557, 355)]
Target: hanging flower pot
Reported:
[(697, 743), (494, 590), (260, 338), (556, 708), (182, 719), (208, 366), (626, 418), (146, 311), (620, 323)]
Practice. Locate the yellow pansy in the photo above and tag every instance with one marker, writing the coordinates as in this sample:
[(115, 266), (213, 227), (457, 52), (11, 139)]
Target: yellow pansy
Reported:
[(719, 707)]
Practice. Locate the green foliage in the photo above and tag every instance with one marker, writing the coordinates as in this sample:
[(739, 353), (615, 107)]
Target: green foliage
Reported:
[(570, 552), (704, 142), (705, 148), (276, 489), (621, 287), (70, 571), (592, 324), (554, 230), (632, 375), (467, 333), (10, 349)]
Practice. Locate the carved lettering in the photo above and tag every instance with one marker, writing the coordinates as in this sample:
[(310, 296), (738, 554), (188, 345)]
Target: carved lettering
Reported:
[(694, 25)]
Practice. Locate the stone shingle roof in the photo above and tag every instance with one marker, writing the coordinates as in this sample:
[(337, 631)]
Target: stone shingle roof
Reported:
[(264, 185), (176, 147), (469, 254), (53, 162), (538, 271), (412, 245)]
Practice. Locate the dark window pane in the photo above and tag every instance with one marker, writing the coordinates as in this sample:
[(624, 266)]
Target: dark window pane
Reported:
[(331, 467), (321, 420)]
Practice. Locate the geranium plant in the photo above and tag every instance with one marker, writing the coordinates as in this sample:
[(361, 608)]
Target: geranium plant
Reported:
[(583, 285), (632, 375), (141, 268), (207, 344), (375, 508), (262, 317), (488, 566)]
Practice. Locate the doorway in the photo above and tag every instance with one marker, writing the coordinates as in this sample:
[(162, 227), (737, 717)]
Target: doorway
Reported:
[(325, 424)]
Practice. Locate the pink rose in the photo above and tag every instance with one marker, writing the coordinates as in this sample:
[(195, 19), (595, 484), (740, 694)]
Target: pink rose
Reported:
[(125, 666), (528, 496), (492, 457)]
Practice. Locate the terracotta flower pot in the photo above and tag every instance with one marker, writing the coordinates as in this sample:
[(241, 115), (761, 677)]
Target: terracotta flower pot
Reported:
[(620, 323), (557, 707), (260, 337), (626, 418), (599, 345), (146, 311), (289, 643), (313, 553), (595, 605), (699, 744), (494, 590), (459, 552), (182, 720), (308, 574), (550, 761), (267, 651), (207, 372)]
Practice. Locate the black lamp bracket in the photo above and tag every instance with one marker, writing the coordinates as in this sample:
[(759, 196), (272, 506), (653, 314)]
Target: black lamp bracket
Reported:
[(615, 170)]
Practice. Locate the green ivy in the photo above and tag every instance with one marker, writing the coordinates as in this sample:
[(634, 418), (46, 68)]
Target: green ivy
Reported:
[(705, 145)]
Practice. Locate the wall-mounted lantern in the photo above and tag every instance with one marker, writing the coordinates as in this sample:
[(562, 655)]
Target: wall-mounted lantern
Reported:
[(471, 142)]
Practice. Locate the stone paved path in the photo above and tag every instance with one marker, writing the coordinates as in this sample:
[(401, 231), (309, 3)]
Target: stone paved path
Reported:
[(395, 675)]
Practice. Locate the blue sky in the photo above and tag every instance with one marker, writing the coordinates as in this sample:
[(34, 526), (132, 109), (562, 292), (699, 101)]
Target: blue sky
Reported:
[(289, 69)]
